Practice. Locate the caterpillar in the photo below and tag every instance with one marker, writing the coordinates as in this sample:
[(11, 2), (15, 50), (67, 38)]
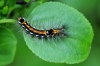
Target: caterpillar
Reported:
[(40, 33)]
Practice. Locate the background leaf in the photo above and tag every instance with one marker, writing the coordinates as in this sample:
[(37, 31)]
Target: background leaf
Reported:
[(7, 46), (73, 48), (1, 3), (10, 3)]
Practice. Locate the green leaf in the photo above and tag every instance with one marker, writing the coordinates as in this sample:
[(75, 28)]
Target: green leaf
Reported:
[(1, 3), (27, 0), (28, 10), (7, 46), (5, 10), (10, 3), (74, 47), (40, 1)]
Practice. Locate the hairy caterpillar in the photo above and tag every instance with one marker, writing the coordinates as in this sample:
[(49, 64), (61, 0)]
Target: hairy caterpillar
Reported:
[(40, 33)]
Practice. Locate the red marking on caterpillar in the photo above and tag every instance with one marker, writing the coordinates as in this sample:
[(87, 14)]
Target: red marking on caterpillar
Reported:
[(40, 33)]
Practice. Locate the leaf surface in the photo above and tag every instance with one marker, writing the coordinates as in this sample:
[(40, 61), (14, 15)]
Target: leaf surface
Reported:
[(74, 47), (7, 46)]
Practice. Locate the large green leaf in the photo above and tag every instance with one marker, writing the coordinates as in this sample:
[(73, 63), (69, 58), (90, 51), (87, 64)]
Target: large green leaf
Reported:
[(74, 47), (7, 46)]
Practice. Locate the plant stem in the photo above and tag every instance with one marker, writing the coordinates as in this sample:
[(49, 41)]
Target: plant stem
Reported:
[(7, 21)]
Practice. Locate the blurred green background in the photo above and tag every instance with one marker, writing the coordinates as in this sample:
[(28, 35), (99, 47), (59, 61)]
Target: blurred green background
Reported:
[(91, 10)]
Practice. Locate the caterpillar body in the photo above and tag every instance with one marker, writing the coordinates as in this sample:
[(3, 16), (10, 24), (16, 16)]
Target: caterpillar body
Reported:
[(40, 33)]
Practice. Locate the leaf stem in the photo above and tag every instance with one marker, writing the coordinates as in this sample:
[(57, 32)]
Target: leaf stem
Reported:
[(7, 21)]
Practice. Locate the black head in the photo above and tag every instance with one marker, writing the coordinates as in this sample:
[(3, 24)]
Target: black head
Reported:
[(21, 20)]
